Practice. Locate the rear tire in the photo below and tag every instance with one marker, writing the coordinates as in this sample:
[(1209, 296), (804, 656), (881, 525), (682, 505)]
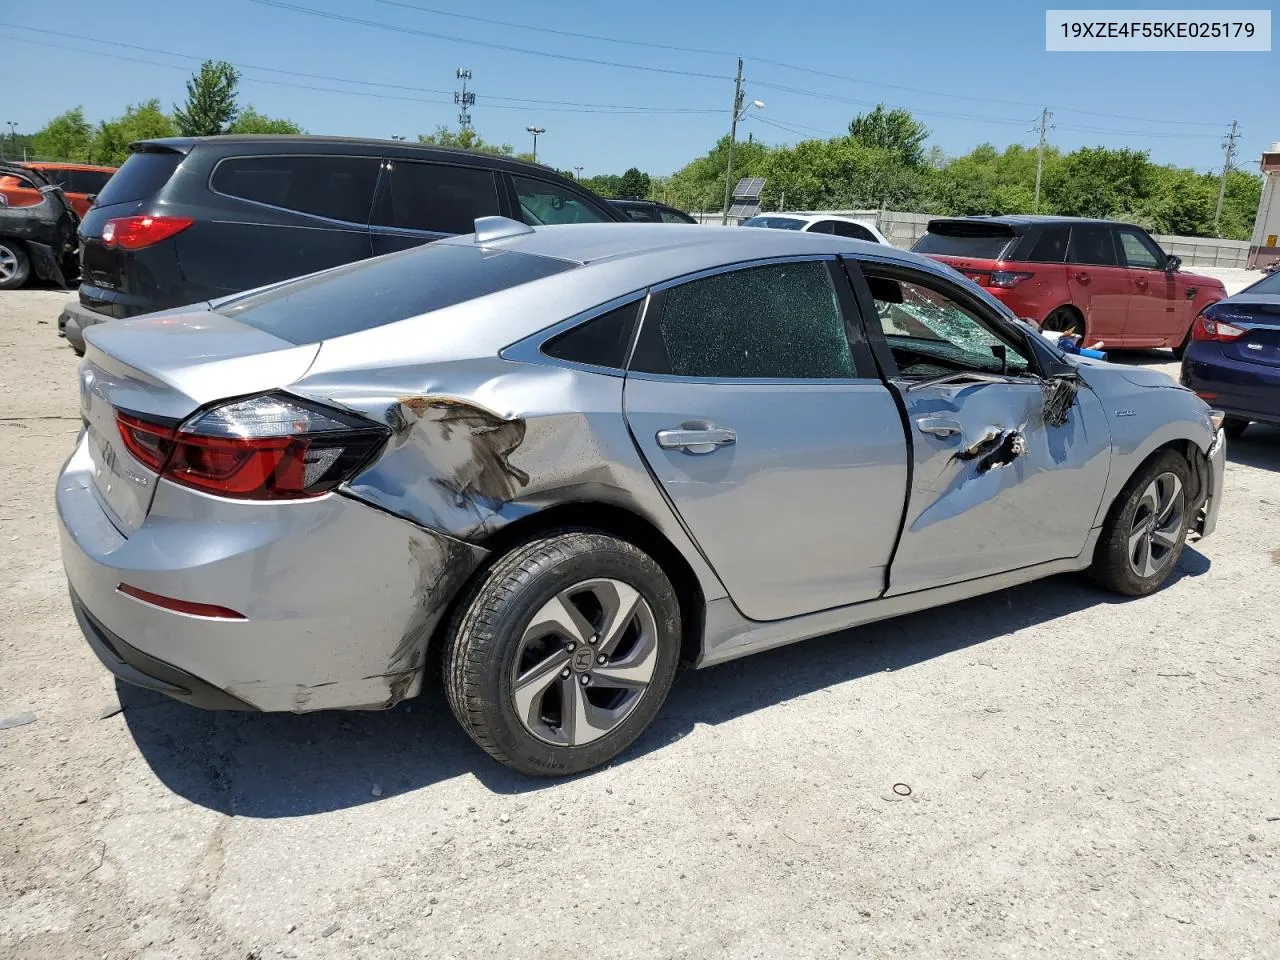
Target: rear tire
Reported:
[(15, 265), (1146, 528), (1233, 427), (523, 672), (1064, 320)]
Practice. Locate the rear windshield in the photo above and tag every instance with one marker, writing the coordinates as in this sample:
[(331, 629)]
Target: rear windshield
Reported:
[(140, 177), (371, 293), (777, 223), (1268, 284), (979, 240)]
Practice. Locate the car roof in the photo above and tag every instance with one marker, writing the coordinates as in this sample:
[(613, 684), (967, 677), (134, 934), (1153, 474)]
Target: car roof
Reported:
[(59, 165), (658, 252), (352, 146), (1019, 221)]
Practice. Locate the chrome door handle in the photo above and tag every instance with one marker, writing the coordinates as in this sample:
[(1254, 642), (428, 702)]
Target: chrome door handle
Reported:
[(938, 427), (696, 438)]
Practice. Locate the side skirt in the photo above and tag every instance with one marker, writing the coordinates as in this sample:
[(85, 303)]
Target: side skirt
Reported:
[(729, 635)]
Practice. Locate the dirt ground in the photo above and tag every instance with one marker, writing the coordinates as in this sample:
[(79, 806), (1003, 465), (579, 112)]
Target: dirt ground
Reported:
[(1087, 777)]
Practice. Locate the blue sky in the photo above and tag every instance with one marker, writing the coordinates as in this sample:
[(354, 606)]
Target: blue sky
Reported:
[(1176, 105)]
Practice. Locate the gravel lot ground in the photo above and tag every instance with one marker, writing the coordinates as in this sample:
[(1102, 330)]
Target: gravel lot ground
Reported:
[(1087, 776)]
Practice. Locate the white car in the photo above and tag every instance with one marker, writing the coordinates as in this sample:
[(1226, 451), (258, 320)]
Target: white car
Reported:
[(819, 223)]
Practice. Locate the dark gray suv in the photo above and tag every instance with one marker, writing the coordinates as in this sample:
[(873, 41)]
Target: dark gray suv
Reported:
[(187, 220)]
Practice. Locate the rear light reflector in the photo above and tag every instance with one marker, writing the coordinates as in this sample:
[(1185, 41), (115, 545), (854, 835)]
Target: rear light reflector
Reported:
[(981, 277), (1008, 279), (180, 606), (134, 233), (269, 447), (1206, 328), (1206, 396)]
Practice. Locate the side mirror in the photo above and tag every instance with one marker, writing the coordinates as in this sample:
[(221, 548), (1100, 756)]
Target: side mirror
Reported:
[(1172, 263)]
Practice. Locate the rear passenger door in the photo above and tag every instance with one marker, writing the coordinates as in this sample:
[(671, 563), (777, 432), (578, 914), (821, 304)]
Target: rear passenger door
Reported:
[(289, 215), (418, 202), (1099, 285), (754, 399)]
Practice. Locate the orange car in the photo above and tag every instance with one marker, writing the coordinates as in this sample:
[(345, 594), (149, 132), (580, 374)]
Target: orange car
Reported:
[(81, 183)]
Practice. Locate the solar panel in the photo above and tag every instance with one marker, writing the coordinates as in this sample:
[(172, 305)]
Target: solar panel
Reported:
[(748, 188), (748, 209)]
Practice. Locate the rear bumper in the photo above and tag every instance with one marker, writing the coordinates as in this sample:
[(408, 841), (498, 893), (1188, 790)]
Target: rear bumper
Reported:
[(1247, 390), (75, 319), (339, 599)]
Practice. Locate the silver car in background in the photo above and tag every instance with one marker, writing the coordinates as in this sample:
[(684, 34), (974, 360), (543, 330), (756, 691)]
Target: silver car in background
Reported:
[(566, 458)]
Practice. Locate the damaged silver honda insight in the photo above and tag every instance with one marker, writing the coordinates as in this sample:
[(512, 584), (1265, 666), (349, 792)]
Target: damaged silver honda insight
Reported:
[(564, 459)]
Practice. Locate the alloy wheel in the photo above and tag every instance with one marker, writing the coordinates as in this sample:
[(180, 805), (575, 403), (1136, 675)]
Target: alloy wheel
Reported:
[(8, 264), (1157, 524), (584, 662)]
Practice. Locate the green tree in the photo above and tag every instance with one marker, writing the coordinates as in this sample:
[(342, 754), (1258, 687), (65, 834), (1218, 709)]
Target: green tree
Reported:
[(699, 185), (141, 121), (251, 121), (68, 136), (633, 185), (465, 139), (210, 108), (1100, 182), (893, 130)]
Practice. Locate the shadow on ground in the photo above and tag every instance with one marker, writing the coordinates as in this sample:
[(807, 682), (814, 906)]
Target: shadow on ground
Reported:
[(1258, 446), (284, 765)]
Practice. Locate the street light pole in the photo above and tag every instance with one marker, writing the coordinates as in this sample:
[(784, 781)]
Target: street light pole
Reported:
[(577, 173), (535, 131), (12, 136)]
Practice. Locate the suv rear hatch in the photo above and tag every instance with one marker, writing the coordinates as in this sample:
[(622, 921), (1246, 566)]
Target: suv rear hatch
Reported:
[(160, 370), (973, 247), (105, 266)]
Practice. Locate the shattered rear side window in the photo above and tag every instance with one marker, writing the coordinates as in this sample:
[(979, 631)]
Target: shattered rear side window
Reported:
[(372, 293)]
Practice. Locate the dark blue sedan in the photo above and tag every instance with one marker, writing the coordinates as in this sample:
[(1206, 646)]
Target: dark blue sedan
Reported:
[(1233, 360)]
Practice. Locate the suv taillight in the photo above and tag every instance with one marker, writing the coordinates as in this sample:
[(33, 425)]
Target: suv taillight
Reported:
[(134, 233), (269, 447), (1207, 328)]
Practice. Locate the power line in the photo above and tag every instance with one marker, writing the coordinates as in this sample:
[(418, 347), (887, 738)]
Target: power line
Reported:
[(556, 105), (396, 28), (876, 82)]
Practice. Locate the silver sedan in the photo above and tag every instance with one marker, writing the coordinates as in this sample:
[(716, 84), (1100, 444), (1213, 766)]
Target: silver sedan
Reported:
[(564, 459)]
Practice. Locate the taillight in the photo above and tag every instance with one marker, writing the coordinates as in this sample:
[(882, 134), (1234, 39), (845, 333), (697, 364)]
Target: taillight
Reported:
[(264, 448), (1007, 279), (1206, 328), (134, 233), (981, 277)]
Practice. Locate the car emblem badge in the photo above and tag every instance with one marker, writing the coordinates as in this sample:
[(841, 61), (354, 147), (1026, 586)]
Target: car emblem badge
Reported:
[(1254, 346), (583, 658)]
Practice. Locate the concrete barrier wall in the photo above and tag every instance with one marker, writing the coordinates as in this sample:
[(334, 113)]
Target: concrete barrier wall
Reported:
[(904, 229)]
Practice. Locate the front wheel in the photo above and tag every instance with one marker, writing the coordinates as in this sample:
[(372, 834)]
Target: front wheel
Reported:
[(1064, 320), (564, 653), (1146, 530)]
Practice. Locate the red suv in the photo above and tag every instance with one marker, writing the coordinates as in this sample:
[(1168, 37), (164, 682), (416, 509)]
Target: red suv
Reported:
[(1107, 282)]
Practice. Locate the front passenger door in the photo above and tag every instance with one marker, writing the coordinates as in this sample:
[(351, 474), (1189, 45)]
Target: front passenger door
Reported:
[(1154, 319), (993, 486)]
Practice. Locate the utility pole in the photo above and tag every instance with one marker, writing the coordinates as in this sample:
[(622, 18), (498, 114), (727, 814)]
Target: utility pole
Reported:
[(733, 135), (535, 131), (1044, 124), (464, 99), (1229, 145)]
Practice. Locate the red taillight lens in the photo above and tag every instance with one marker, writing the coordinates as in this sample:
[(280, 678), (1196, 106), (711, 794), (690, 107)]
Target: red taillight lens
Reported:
[(263, 448), (181, 606), (1008, 279), (1206, 328), (134, 233), (150, 443)]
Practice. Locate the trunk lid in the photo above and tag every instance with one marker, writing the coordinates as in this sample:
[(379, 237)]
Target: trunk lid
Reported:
[(1260, 317), (162, 369)]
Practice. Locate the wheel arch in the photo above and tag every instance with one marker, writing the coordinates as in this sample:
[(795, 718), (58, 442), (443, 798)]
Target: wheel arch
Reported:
[(604, 518), (1072, 308), (1197, 459)]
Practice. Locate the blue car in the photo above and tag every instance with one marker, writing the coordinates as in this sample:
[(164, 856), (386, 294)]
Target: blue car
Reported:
[(1233, 360)]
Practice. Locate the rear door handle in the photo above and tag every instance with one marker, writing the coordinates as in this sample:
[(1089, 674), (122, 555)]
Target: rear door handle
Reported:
[(696, 437), (938, 427), (1080, 277), (1142, 284)]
